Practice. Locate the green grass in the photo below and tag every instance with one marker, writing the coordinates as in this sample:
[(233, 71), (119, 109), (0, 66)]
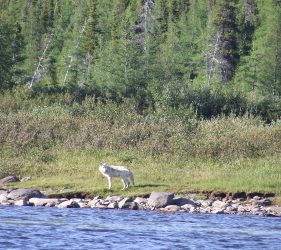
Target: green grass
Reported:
[(61, 147), (77, 171)]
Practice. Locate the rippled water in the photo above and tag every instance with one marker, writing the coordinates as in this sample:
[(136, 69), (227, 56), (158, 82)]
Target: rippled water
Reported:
[(52, 228)]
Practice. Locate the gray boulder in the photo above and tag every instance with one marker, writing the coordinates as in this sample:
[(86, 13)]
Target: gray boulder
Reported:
[(48, 202), (180, 201), (128, 203), (68, 204), (9, 179), (160, 199), (3, 198), (21, 194), (4, 192)]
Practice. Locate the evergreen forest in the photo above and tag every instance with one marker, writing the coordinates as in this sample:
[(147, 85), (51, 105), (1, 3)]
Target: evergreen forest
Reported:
[(213, 56)]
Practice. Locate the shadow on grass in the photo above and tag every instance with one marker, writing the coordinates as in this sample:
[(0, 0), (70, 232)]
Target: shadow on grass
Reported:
[(150, 185)]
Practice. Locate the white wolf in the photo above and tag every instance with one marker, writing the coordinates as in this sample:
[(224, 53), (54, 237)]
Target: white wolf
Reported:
[(110, 171)]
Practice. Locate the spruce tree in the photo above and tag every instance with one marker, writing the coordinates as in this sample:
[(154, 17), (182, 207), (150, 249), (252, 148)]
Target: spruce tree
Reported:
[(6, 53), (226, 25), (91, 37), (18, 57), (261, 70), (249, 21)]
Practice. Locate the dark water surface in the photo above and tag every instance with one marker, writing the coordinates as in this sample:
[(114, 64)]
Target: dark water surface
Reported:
[(53, 228)]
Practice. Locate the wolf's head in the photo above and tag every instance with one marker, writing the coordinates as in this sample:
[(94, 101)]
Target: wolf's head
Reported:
[(103, 167)]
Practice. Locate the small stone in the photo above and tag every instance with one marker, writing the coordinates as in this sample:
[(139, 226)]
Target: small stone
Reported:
[(241, 209), (174, 208), (83, 203), (3, 198), (255, 209), (236, 202), (230, 209), (193, 210), (140, 200), (101, 206), (113, 198), (206, 203), (219, 204), (188, 207), (93, 203), (264, 202), (104, 202), (128, 203), (205, 210), (21, 203), (113, 205), (217, 211), (24, 179), (122, 203)]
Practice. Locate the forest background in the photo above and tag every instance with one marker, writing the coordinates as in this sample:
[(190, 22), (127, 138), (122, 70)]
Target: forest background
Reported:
[(185, 92)]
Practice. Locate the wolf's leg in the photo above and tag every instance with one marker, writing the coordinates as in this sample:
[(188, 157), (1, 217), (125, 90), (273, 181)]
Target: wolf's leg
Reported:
[(124, 184), (109, 182), (132, 178)]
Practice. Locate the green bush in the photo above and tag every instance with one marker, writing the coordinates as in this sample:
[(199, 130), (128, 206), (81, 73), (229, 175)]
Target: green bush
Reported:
[(120, 127)]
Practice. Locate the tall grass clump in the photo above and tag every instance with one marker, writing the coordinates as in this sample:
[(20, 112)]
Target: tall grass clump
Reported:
[(120, 127)]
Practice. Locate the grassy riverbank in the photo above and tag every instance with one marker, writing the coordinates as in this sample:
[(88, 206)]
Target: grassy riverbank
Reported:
[(76, 171), (61, 146)]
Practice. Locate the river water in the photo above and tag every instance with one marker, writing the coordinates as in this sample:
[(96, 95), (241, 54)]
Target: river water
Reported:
[(53, 228)]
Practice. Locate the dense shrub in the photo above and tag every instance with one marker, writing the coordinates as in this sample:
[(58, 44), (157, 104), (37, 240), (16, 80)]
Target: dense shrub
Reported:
[(111, 126)]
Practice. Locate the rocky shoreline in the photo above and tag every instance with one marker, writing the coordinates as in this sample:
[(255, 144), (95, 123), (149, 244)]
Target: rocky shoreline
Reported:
[(240, 203), (163, 202)]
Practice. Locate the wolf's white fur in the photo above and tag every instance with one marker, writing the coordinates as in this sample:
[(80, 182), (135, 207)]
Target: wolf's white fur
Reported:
[(110, 171)]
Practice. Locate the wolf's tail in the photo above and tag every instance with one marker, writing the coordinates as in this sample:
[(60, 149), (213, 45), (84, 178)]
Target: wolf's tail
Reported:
[(132, 178)]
